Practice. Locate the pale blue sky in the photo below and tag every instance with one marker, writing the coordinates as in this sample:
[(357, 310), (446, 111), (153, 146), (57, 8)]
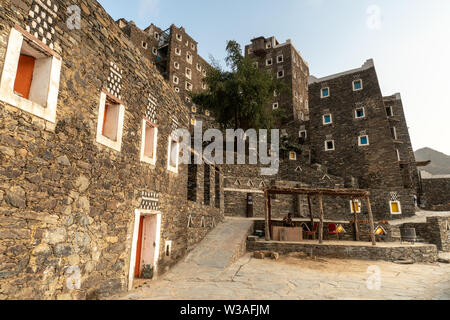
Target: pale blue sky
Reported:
[(409, 42)]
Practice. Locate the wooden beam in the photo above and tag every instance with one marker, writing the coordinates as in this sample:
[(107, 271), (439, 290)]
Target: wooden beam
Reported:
[(321, 218), (269, 202), (266, 209), (356, 193), (355, 214), (372, 225)]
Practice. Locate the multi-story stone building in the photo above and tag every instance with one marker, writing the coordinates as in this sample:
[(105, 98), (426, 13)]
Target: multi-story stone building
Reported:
[(358, 134), (89, 189), (175, 54), (287, 65)]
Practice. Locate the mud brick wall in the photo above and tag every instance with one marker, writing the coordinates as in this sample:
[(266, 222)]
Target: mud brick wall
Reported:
[(66, 200), (435, 194)]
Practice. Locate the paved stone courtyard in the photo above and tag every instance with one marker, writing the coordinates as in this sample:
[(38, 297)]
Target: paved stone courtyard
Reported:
[(297, 278)]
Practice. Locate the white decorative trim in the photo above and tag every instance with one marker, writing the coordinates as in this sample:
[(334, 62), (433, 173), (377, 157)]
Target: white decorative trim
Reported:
[(169, 167), (321, 92), (243, 190), (144, 158), (353, 85), (356, 112), (46, 112), (363, 145), (331, 118), (100, 138), (359, 206), (292, 156), (326, 145)]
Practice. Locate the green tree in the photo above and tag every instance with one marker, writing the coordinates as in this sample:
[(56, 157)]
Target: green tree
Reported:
[(238, 98)]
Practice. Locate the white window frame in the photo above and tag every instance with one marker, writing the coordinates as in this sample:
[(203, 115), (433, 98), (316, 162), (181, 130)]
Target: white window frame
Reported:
[(169, 167), (303, 131), (176, 65), (193, 121), (100, 138), (194, 109), (188, 73), (355, 81), (293, 156), (282, 58), (395, 137), (179, 37), (271, 62), (278, 74), (204, 86), (144, 158), (326, 145), (189, 86), (156, 34), (199, 67), (398, 155), (359, 202), (359, 141), (189, 60), (392, 111), (178, 51), (321, 93), (399, 207), (155, 51), (47, 110), (204, 72), (356, 113), (275, 106), (144, 44), (177, 90), (176, 80), (268, 45), (193, 46), (331, 118), (207, 113)]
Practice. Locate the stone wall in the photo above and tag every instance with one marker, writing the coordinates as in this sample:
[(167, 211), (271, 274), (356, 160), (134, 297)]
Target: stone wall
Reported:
[(436, 231), (435, 195), (419, 253), (67, 202)]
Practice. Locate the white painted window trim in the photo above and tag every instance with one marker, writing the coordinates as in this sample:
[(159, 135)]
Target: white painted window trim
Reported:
[(189, 60), (188, 86), (137, 217), (9, 73), (156, 34), (144, 44), (188, 73), (155, 51), (176, 80), (177, 90), (294, 154), (144, 158), (282, 58), (321, 93), (115, 145), (179, 37), (178, 51), (169, 167), (176, 65), (199, 67), (326, 145), (207, 113), (353, 85), (359, 141), (356, 113), (303, 131), (399, 207), (398, 155), (323, 119), (395, 137), (278, 74), (359, 206), (275, 106), (194, 109), (392, 111), (271, 62)]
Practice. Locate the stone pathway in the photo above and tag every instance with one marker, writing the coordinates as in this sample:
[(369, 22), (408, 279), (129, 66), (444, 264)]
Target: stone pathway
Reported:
[(295, 278), (420, 217)]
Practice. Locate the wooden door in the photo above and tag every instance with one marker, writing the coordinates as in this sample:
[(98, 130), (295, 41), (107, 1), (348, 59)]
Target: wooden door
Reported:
[(137, 268)]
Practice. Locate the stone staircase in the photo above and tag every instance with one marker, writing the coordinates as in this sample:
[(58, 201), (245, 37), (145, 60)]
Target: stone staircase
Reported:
[(220, 248)]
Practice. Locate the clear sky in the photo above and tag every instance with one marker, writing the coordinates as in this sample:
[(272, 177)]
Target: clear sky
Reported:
[(409, 41)]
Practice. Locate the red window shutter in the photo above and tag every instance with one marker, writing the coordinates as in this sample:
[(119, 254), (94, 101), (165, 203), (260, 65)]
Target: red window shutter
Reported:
[(24, 75)]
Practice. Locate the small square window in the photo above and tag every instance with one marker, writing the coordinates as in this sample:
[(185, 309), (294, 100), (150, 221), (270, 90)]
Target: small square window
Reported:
[(389, 111), (329, 145), (360, 113), (155, 51), (173, 155), (188, 86), (303, 134), (204, 86), (176, 65), (327, 119), (144, 45), (357, 85), (177, 90), (204, 73), (199, 67), (156, 35), (188, 73), (268, 45), (275, 106), (189, 58), (178, 51), (149, 142), (292, 156), (363, 141), (176, 80), (193, 46), (269, 62), (396, 207), (325, 93), (110, 122), (193, 122), (179, 37), (357, 204), (207, 113), (280, 59), (280, 74), (194, 109)]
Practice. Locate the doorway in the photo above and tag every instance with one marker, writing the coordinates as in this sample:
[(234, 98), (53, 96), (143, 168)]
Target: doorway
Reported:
[(146, 243)]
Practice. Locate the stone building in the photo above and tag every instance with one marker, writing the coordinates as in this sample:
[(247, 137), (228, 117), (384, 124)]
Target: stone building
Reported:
[(89, 194), (358, 134)]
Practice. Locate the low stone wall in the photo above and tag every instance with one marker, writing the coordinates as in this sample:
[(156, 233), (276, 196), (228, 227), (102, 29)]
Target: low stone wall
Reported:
[(435, 231), (424, 253), (435, 195)]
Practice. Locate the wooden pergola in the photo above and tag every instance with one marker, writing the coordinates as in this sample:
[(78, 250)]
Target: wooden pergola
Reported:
[(354, 194)]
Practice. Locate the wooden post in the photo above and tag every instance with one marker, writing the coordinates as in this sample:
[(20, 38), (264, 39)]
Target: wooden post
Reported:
[(355, 214), (372, 225), (310, 212), (321, 218), (269, 201), (266, 207)]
